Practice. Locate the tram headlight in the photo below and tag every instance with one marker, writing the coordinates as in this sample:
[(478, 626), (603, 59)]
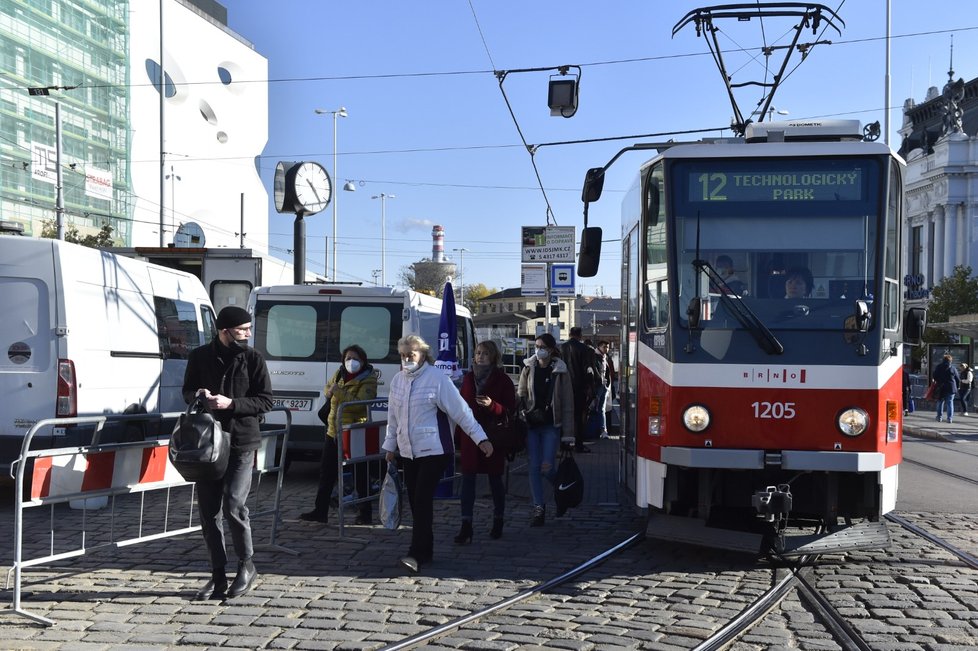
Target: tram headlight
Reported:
[(853, 421), (696, 418)]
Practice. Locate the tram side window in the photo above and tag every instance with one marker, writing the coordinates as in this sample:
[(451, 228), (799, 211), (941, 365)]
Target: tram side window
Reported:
[(656, 304)]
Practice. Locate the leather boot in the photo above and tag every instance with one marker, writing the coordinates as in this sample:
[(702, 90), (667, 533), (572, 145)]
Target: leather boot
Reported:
[(243, 580), (215, 589), (465, 533), (497, 528), (539, 516)]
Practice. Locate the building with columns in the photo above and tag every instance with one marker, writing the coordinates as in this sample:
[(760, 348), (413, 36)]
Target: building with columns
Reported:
[(941, 191)]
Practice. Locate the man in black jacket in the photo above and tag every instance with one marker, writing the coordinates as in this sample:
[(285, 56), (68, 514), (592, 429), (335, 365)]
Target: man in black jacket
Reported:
[(233, 381), (580, 360)]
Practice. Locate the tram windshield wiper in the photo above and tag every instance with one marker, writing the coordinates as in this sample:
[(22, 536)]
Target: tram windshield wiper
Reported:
[(764, 337)]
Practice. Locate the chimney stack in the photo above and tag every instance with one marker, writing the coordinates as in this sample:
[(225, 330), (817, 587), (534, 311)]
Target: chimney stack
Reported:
[(437, 244)]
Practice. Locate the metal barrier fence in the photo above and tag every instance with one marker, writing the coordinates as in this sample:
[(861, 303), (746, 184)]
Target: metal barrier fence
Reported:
[(358, 444), (100, 472)]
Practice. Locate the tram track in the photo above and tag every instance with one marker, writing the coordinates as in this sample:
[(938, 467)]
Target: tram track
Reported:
[(948, 473), (962, 555), (424, 637), (798, 579)]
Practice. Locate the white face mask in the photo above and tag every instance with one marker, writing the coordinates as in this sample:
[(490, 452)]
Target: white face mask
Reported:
[(543, 354), (352, 365), (408, 365)]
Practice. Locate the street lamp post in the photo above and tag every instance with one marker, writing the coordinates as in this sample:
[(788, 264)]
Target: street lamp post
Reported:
[(383, 234), (59, 201), (461, 277), (338, 113)]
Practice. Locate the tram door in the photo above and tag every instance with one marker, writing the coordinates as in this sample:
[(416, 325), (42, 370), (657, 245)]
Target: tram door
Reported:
[(628, 380)]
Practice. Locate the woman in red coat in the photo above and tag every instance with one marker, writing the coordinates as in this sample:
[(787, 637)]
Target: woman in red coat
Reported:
[(490, 394)]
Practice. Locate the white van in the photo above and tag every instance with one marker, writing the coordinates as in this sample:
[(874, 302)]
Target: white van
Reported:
[(86, 332), (301, 330)]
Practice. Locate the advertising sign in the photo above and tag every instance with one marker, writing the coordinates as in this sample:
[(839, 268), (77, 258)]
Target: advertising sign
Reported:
[(548, 244), (44, 165), (98, 183)]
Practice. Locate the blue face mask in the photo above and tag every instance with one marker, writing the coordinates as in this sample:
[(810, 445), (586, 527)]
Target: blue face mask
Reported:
[(543, 354)]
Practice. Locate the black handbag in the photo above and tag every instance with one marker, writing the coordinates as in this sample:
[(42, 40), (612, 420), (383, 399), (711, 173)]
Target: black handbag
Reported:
[(199, 446), (536, 417), (323, 412)]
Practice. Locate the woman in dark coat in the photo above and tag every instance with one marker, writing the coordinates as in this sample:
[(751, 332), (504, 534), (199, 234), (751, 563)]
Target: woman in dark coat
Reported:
[(490, 394)]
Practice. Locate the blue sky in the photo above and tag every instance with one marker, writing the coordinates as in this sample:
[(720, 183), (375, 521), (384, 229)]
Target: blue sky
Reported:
[(428, 123)]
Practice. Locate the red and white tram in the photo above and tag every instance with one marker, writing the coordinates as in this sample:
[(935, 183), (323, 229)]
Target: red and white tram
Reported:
[(763, 334)]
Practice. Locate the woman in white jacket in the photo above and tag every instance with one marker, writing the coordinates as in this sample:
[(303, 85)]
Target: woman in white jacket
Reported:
[(422, 404)]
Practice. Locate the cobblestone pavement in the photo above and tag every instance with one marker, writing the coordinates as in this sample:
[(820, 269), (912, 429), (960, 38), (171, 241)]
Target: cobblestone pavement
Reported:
[(349, 592)]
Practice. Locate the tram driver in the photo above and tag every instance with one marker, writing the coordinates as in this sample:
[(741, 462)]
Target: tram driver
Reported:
[(725, 268), (798, 283)]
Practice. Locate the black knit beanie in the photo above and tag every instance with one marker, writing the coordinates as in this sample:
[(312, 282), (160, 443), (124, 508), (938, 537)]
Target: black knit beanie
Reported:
[(231, 317)]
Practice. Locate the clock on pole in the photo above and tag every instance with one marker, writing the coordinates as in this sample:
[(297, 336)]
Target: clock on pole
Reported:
[(303, 188)]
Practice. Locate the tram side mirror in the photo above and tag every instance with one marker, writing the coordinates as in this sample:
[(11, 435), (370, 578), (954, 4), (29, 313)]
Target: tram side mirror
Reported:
[(914, 324), (593, 185), (863, 317), (590, 254)]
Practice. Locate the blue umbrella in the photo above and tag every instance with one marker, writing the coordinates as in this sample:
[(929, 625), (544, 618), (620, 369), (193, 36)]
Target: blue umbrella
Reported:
[(446, 359)]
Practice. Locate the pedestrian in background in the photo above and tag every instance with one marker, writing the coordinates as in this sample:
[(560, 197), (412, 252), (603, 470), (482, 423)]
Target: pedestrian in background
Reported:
[(422, 399), (489, 393), (233, 379), (355, 380), (606, 377), (548, 404), (967, 378), (580, 361), (946, 379)]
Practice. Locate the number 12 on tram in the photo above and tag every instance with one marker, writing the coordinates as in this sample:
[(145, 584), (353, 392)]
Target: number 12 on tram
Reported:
[(763, 335)]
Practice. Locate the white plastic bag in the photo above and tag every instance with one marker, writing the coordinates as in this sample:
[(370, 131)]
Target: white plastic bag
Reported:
[(390, 498)]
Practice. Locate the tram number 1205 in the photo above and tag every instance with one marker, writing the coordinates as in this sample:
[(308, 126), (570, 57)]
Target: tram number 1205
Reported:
[(778, 410)]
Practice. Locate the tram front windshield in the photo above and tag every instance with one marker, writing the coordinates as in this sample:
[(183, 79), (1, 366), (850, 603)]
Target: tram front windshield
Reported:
[(794, 239)]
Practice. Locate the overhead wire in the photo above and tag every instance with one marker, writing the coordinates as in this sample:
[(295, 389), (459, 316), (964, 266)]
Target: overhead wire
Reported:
[(501, 77)]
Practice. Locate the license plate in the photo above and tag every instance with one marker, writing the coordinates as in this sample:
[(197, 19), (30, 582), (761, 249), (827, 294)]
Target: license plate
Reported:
[(293, 404)]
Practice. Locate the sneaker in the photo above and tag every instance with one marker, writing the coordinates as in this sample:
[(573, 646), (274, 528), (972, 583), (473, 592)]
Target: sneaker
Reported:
[(604, 434), (965, 414)]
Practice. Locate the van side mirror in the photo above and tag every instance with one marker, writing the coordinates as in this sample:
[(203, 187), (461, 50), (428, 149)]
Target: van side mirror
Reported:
[(590, 254), (593, 184), (914, 324)]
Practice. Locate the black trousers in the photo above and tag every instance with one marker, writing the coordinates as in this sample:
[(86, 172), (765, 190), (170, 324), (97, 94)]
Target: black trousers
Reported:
[(227, 498), (421, 477), (328, 478)]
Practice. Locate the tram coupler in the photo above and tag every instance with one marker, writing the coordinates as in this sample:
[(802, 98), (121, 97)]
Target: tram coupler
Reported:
[(773, 503)]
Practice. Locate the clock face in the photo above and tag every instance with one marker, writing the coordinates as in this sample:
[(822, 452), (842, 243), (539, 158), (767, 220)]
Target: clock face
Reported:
[(313, 188)]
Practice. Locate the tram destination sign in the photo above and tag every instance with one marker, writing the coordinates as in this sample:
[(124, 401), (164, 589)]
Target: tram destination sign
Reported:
[(758, 185)]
